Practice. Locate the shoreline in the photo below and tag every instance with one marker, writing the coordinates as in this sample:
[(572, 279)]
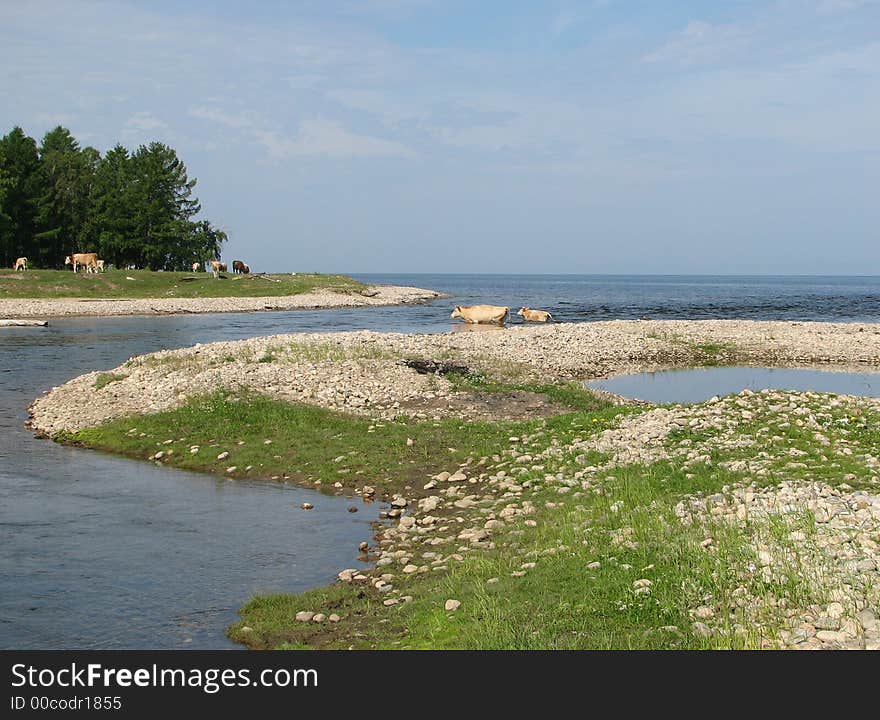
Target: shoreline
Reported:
[(20, 308), (545, 489)]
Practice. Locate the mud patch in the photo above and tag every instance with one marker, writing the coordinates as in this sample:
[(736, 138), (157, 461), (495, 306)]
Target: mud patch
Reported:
[(513, 405)]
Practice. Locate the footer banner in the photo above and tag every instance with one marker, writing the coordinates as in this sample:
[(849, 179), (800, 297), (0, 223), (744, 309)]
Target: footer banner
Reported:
[(135, 682)]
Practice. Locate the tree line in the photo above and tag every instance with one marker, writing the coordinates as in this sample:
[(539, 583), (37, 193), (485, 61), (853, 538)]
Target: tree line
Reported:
[(132, 208)]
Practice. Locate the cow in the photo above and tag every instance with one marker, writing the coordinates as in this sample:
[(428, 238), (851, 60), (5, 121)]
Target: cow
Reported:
[(21, 264), (88, 260), (535, 315), (240, 267), (100, 264), (196, 266), (218, 267), (481, 313)]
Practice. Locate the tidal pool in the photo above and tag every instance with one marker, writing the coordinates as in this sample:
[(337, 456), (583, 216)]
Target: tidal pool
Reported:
[(699, 384)]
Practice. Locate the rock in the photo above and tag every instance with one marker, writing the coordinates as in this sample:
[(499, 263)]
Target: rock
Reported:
[(304, 616), (835, 610), (307, 506), (223, 456), (452, 605), (825, 622), (319, 617), (704, 612), (363, 547), (700, 629)]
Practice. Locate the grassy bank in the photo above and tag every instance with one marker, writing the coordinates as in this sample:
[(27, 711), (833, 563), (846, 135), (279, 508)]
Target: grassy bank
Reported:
[(579, 551), (128, 284)]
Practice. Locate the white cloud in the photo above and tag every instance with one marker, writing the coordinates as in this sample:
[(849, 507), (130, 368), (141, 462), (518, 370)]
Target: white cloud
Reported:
[(144, 121), (699, 42), (221, 117), (328, 138)]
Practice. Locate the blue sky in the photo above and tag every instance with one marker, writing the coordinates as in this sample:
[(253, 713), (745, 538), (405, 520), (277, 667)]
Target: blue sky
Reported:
[(442, 136)]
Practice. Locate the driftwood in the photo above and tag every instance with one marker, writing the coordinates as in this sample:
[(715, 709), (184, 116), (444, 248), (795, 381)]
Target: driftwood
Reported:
[(423, 367), (24, 323)]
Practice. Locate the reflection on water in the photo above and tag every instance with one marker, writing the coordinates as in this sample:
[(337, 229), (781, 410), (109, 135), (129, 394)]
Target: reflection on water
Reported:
[(698, 384)]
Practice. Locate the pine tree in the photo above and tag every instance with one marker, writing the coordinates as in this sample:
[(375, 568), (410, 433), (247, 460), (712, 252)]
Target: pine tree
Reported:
[(19, 192), (63, 207)]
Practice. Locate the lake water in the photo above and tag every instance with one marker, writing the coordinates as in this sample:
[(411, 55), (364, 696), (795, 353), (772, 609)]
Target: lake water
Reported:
[(103, 552), (699, 384)]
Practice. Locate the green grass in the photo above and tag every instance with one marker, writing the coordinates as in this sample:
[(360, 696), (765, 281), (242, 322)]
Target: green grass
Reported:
[(709, 354), (147, 284), (308, 443), (105, 379), (623, 519)]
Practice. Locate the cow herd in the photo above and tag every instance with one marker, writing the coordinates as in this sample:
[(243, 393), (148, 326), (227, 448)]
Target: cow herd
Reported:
[(93, 264), (497, 314)]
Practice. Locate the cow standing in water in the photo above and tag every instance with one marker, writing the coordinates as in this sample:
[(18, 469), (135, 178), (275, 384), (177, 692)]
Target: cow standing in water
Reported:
[(530, 315), (473, 314)]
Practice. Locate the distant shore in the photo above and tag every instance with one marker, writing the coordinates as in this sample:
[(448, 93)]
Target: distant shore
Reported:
[(316, 300)]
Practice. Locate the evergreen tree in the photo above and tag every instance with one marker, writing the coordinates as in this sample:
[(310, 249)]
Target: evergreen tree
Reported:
[(110, 227), (19, 192), (163, 204), (63, 207), (129, 208)]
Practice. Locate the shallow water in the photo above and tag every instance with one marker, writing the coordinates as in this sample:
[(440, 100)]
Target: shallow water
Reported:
[(699, 384), (105, 552)]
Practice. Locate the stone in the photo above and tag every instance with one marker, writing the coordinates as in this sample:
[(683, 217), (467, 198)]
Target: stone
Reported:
[(307, 506), (700, 629), (452, 605), (304, 616), (319, 617)]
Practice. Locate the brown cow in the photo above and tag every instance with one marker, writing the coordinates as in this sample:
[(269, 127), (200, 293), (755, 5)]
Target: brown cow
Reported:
[(21, 264), (481, 313), (535, 315), (88, 260), (240, 267)]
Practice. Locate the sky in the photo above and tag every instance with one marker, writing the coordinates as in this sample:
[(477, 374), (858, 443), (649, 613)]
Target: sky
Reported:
[(600, 136)]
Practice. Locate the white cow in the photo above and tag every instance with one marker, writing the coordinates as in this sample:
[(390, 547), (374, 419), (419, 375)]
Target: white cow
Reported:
[(87, 260)]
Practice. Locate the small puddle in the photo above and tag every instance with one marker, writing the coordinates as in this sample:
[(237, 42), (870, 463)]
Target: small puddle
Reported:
[(699, 384)]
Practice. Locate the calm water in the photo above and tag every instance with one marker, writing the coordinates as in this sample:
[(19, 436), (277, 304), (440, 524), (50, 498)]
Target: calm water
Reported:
[(698, 384), (102, 552)]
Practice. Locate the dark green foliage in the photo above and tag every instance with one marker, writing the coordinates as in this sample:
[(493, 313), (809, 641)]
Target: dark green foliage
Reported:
[(131, 208)]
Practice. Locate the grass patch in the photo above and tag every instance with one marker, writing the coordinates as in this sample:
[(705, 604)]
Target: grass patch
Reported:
[(105, 379), (709, 354), (148, 284), (307, 443)]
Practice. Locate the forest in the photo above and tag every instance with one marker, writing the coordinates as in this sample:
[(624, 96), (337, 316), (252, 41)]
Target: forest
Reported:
[(132, 208)]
